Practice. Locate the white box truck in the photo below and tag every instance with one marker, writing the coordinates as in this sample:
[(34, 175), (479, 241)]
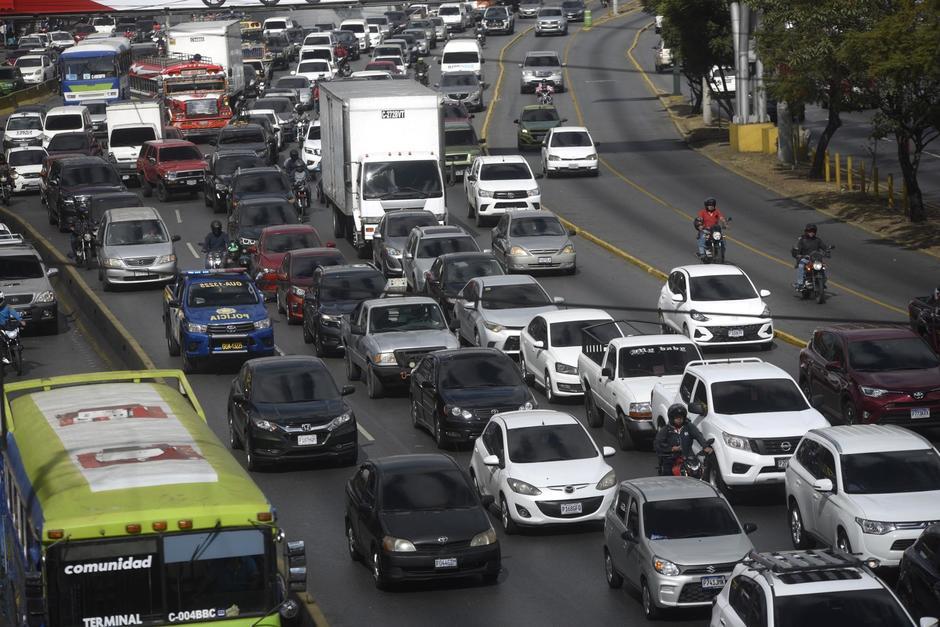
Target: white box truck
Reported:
[(381, 151), (130, 124), (218, 42)]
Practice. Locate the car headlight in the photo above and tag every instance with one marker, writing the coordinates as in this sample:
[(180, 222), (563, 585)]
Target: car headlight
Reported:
[(398, 545), (263, 324), (316, 151), (494, 327), (568, 249), (872, 392), (640, 410), (736, 441), (485, 538), (246, 241), (521, 487), (766, 312), (518, 251), (665, 567), (698, 317), (339, 421), (391, 251), (331, 317), (875, 527), (554, 158), (592, 156), (608, 481), (194, 327), (221, 187), (264, 424), (171, 175), (526, 405), (565, 368), (524, 131), (482, 193), (297, 291), (458, 412), (384, 358), (166, 259), (113, 262), (45, 297), (68, 202)]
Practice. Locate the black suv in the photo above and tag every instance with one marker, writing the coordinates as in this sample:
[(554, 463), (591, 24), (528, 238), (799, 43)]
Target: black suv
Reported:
[(72, 182), (222, 166), (250, 216), (268, 181), (335, 292), (247, 136)]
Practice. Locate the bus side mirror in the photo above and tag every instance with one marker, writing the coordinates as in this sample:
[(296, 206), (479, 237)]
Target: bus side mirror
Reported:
[(297, 565)]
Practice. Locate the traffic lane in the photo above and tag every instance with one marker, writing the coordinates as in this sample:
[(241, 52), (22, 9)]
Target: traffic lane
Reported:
[(66, 352)]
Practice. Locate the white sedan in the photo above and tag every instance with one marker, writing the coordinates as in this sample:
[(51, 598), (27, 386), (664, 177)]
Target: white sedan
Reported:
[(715, 305), (542, 468), (550, 346), (569, 150)]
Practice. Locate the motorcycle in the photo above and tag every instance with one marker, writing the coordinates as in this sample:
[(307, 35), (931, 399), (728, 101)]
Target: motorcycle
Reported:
[(84, 244), (545, 94), (343, 68), (301, 194), (481, 37), (214, 260), (6, 189), (422, 77), (814, 275), (12, 348), (714, 245), (694, 465)]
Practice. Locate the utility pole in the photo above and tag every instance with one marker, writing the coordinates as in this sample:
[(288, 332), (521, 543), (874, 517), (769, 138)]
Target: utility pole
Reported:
[(706, 102)]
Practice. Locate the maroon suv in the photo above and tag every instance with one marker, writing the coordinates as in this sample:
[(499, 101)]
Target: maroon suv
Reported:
[(170, 166), (867, 374)]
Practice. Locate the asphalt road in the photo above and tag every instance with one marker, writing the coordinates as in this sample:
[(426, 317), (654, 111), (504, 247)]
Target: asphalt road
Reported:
[(650, 185)]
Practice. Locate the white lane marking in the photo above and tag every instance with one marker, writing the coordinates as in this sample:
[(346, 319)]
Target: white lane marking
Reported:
[(364, 433), (192, 250), (277, 349), (179, 218), (932, 154)]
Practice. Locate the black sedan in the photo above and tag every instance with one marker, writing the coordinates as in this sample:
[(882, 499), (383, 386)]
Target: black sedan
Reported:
[(450, 272), (454, 392), (283, 409), (218, 176), (919, 575), (417, 518), (334, 292)]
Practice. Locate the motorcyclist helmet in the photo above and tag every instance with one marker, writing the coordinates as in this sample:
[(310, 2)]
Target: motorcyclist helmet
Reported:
[(810, 230), (216, 227), (711, 204), (294, 154), (677, 410)]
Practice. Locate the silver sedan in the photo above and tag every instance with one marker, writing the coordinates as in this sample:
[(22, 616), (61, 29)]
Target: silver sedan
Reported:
[(525, 241)]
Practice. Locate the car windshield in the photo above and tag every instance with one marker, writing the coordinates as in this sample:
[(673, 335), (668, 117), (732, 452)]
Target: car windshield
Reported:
[(468, 56), (535, 226), (221, 292), (134, 232), (504, 171), (540, 115), (891, 354), (722, 287), (275, 24), (7, 73), (261, 183), (293, 82), (292, 384), (406, 317), (356, 287), (28, 62), (103, 202), (283, 242), (435, 247), (265, 214), (323, 54), (541, 60), (655, 361), (550, 13), (97, 108), (202, 106), (134, 136), (688, 518), (495, 13), (20, 267), (313, 66), (241, 136), (571, 139), (278, 105), (354, 28), (401, 225), (462, 271), (474, 370), (448, 11), (89, 68), (66, 122), (313, 132), (89, 175), (27, 157), (757, 396), (572, 4), (549, 443), (228, 164), (25, 123), (569, 333), (851, 608), (303, 267), (390, 180), (459, 80), (518, 296), (891, 472), (426, 490), (180, 153)]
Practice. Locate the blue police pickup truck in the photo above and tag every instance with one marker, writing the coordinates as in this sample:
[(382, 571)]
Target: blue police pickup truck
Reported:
[(215, 314)]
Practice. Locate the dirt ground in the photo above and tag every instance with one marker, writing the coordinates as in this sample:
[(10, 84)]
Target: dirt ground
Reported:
[(864, 210)]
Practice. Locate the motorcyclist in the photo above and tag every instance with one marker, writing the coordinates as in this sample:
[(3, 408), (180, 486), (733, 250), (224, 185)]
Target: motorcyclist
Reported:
[(216, 240), (707, 218), (480, 32), (544, 87), (7, 313), (421, 67), (82, 224), (806, 245), (674, 439), (294, 165)]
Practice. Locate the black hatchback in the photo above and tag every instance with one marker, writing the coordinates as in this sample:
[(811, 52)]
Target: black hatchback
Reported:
[(455, 392), (288, 408), (418, 518), (919, 575), (334, 293)]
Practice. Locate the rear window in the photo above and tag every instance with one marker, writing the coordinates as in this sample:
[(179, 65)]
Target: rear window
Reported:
[(131, 136), (68, 141), (241, 136), (27, 157), (64, 122), (228, 165), (89, 174), (268, 214), (282, 242), (426, 490), (449, 11), (895, 354), (179, 153), (280, 105), (275, 24), (261, 183)]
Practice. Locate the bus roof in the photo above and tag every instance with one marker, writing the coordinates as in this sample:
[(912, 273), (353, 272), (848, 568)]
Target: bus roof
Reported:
[(105, 450), (97, 50)]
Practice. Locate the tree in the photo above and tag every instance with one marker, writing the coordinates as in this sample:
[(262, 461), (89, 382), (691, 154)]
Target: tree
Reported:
[(799, 42), (900, 57)]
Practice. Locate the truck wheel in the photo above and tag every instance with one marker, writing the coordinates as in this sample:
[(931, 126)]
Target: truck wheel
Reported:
[(623, 434), (353, 372), (189, 364), (163, 194), (374, 384), (339, 224), (145, 187), (593, 414)]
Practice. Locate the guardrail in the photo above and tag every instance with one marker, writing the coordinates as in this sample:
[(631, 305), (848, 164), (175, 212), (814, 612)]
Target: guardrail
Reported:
[(27, 96)]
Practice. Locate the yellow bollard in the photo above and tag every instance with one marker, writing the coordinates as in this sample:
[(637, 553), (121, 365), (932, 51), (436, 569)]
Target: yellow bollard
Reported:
[(848, 172), (588, 19), (874, 179), (891, 191), (826, 166), (838, 171)]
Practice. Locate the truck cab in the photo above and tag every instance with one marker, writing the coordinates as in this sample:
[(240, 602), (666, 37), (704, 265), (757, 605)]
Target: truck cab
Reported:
[(215, 314)]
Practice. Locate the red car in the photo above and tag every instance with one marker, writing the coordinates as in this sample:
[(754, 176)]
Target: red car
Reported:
[(170, 166), (383, 66), (868, 374), (295, 276), (273, 244)]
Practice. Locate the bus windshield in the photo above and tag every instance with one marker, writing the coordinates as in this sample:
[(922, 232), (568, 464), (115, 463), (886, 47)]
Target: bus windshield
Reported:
[(88, 68)]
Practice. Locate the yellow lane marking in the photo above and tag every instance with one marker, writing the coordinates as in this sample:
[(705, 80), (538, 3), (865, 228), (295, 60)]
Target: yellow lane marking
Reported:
[(499, 80)]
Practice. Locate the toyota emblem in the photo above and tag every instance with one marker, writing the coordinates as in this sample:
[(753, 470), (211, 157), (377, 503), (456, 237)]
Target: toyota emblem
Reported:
[(710, 569), (918, 395), (442, 540), (230, 328), (493, 412), (785, 446)]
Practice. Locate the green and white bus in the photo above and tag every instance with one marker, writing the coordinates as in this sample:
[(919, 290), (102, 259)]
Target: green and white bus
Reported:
[(119, 506)]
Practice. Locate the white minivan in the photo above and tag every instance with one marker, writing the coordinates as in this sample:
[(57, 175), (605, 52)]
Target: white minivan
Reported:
[(462, 55), (66, 119)]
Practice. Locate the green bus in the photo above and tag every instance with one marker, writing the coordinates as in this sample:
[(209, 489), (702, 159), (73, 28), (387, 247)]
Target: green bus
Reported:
[(119, 506)]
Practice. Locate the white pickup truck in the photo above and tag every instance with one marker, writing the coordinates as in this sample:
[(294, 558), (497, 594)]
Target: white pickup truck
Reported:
[(618, 373)]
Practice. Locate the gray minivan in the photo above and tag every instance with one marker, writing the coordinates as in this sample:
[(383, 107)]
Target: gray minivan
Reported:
[(134, 247)]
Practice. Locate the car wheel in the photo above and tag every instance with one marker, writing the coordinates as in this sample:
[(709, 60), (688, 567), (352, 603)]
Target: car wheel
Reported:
[(526, 375), (476, 338), (549, 392), (650, 609), (842, 542), (715, 478), (353, 372), (614, 579), (233, 441), (351, 547), (798, 536), (624, 439), (145, 187), (479, 220), (592, 413), (685, 331), (52, 219), (172, 346), (277, 302), (374, 384), (308, 337), (378, 575), (849, 412), (319, 346), (163, 194), (663, 327), (414, 415), (505, 517), (250, 458), (469, 209), (439, 434), (189, 363)]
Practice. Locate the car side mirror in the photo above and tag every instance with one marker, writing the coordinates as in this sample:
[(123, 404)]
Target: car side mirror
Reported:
[(597, 145), (347, 390), (515, 121), (51, 272), (558, 300), (564, 65), (834, 366), (407, 255), (607, 373), (470, 304), (564, 120), (482, 141), (926, 621), (520, 65), (355, 329), (491, 460), (628, 535), (539, 175), (764, 293), (539, 344), (677, 298), (293, 72), (175, 238), (375, 235), (173, 303), (698, 407), (823, 485), (608, 451), (749, 527), (471, 177), (572, 232)]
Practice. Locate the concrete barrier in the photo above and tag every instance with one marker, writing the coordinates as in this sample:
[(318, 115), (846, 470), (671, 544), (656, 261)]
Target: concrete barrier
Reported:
[(30, 95)]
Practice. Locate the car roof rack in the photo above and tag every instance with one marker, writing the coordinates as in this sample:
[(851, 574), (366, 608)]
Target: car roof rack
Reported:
[(8, 237), (809, 566), (730, 360)]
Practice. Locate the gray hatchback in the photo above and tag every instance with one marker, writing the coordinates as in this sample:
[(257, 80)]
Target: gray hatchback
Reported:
[(529, 240)]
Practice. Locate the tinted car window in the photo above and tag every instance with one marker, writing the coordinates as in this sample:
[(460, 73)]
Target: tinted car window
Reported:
[(722, 287), (573, 139), (406, 317), (858, 608), (463, 271), (655, 361), (20, 267), (512, 296), (227, 165), (432, 248), (293, 385), (261, 183), (26, 157), (757, 396), (64, 122), (180, 153), (135, 136), (504, 171), (89, 174), (531, 227), (268, 213), (134, 232), (282, 242), (549, 443), (68, 141), (459, 80), (477, 371), (569, 333), (441, 489), (541, 60), (303, 267), (400, 226), (218, 293), (891, 472), (894, 354), (355, 287)]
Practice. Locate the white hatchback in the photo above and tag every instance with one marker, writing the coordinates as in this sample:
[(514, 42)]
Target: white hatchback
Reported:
[(569, 150), (542, 467)]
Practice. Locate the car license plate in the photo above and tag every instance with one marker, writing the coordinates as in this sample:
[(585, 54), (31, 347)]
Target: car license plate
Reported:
[(571, 508), (735, 332), (191, 182), (396, 284), (306, 440), (714, 581), (920, 412), (232, 346), (545, 259), (782, 462), (445, 562)]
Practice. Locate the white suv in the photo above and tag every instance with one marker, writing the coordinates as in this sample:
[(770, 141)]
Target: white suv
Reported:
[(755, 412), (807, 588), (497, 184), (869, 490)]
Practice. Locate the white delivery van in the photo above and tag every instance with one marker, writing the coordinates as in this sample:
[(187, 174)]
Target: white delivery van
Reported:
[(67, 119), (462, 55)]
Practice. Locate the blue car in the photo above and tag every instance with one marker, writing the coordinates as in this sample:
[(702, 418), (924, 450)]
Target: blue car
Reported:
[(215, 314)]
